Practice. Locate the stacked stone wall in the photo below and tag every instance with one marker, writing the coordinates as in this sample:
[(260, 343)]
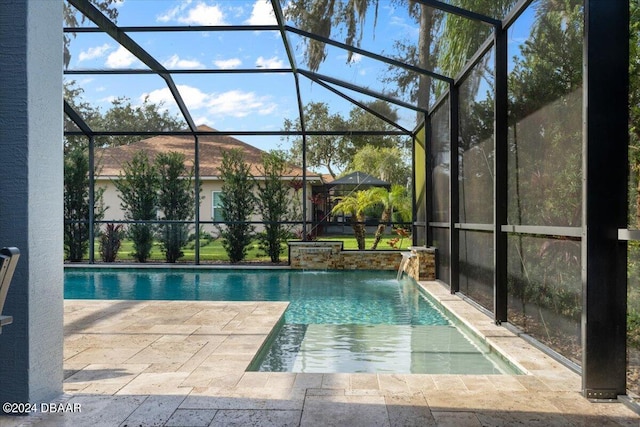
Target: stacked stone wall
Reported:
[(330, 255)]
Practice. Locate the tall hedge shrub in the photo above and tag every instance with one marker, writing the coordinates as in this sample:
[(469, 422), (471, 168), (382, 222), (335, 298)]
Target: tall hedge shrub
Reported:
[(138, 187), (274, 202), (238, 204), (76, 204), (176, 202)]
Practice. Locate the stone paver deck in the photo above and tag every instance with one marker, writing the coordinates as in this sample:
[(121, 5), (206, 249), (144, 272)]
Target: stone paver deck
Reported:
[(182, 363)]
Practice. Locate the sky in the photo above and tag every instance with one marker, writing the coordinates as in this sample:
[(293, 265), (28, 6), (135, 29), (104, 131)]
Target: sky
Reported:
[(246, 102), (234, 102)]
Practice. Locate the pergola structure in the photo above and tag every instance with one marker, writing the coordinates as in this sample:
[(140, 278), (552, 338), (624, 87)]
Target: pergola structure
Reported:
[(443, 146)]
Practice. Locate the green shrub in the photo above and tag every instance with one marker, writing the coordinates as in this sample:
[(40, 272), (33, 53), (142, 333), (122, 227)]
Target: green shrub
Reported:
[(110, 241), (274, 204), (176, 201), (76, 204), (138, 186), (238, 204)]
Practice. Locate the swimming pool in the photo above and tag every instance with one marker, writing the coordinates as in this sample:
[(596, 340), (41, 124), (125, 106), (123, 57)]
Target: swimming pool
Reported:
[(337, 321)]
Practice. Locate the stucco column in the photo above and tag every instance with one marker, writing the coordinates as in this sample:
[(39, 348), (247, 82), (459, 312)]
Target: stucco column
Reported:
[(31, 182)]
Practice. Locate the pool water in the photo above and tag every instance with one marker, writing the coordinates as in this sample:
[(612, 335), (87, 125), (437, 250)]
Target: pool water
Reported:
[(337, 321)]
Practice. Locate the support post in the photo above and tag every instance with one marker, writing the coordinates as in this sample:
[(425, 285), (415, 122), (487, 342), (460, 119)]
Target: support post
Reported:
[(414, 199), (500, 188), (92, 200), (31, 208), (196, 184), (428, 181), (604, 197), (304, 187), (454, 189), (420, 185)]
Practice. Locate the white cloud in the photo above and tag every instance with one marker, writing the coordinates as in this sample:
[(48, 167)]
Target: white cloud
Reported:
[(269, 63), (236, 103), (204, 120), (268, 109), (236, 9), (120, 58), (204, 15), (227, 63), (171, 14), (200, 14), (193, 97), (232, 103), (93, 52), (175, 62), (262, 14), (355, 58), (409, 29)]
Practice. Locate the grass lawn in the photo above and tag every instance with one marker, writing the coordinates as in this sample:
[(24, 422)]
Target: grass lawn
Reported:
[(214, 251)]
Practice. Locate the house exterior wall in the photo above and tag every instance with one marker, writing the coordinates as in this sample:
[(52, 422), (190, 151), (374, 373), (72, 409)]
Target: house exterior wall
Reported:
[(31, 208), (114, 212)]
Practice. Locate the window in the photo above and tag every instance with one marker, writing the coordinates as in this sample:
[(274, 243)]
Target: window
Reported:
[(216, 206)]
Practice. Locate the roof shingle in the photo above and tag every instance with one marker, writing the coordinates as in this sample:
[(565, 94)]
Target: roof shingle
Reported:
[(111, 159)]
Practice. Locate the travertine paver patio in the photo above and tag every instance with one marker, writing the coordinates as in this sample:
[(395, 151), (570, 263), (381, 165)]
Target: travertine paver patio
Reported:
[(181, 363)]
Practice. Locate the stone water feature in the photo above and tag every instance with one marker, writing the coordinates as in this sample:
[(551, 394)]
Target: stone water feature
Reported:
[(418, 262)]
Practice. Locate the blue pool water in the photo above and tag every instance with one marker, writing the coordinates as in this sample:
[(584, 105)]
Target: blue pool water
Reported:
[(337, 321)]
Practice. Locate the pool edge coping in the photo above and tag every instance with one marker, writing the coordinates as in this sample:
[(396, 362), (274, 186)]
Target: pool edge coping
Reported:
[(151, 265), (439, 293), (491, 333)]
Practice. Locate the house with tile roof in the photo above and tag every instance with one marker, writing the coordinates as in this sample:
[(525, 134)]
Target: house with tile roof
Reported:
[(110, 161)]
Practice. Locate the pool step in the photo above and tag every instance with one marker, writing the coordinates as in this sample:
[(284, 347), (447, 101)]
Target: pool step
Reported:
[(283, 351), (390, 348)]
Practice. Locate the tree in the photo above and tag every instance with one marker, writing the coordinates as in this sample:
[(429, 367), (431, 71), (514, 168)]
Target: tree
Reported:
[(147, 117), (461, 37), (323, 16), (335, 153), (418, 87), (138, 187), (320, 16), (76, 204), (176, 201), (273, 202), (362, 120), (238, 204), (91, 115), (443, 44), (122, 115), (356, 204), (550, 65), (546, 84), (446, 42), (348, 17), (71, 15), (385, 163), (328, 151), (394, 199), (545, 157)]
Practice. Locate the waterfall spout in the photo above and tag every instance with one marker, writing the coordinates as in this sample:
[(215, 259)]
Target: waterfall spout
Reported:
[(406, 256)]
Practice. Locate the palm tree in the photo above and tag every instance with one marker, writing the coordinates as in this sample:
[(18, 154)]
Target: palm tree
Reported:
[(394, 199), (355, 204)]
